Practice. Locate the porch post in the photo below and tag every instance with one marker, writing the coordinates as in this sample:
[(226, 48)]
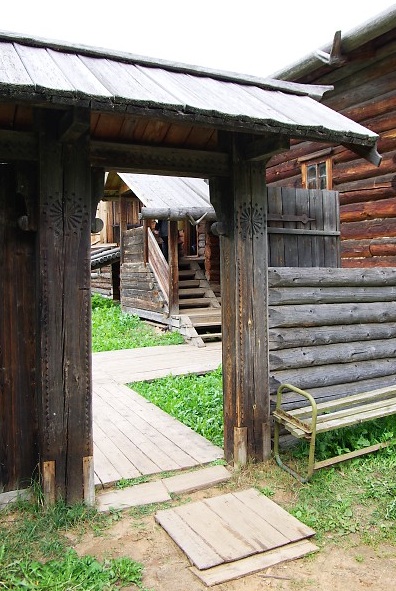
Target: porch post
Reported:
[(173, 260), (241, 208), (64, 323)]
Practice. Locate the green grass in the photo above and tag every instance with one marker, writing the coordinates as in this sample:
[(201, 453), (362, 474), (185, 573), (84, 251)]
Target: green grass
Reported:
[(35, 553), (113, 330), (196, 401)]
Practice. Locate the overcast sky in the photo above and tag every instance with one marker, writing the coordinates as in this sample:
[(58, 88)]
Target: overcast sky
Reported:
[(248, 36)]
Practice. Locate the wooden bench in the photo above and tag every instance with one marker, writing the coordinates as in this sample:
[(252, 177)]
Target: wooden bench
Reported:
[(316, 418)]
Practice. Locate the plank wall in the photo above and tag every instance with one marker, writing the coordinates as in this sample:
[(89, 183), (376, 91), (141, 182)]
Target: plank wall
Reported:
[(365, 91), (332, 331), (139, 288)]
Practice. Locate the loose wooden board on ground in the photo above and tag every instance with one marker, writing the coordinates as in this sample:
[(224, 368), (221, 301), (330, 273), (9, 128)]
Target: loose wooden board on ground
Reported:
[(236, 534)]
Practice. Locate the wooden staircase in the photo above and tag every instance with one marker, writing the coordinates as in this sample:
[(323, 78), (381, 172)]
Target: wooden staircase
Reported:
[(199, 308)]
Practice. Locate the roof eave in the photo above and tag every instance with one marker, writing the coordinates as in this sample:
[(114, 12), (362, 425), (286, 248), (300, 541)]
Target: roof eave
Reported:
[(353, 39)]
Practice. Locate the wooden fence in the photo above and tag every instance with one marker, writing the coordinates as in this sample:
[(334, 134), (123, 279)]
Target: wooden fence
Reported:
[(332, 331), (303, 228)]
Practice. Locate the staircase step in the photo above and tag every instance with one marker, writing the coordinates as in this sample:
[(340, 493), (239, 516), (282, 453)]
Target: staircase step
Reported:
[(184, 283), (205, 323), (194, 302), (192, 292), (205, 315), (211, 336), (186, 273)]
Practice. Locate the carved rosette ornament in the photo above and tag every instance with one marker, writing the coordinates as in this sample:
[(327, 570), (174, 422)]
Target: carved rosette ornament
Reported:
[(251, 221), (68, 216)]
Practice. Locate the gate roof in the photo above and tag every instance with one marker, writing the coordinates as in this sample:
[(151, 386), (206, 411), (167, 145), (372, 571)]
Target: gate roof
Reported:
[(39, 72)]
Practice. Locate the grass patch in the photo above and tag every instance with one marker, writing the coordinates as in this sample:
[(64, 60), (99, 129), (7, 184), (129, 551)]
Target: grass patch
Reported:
[(196, 401), (113, 330), (35, 551)]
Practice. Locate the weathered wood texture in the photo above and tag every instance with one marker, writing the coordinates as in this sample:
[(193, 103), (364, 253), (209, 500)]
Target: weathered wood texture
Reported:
[(241, 206), (332, 331), (63, 285), (365, 91), (307, 231), (101, 281), (139, 286), (18, 417)]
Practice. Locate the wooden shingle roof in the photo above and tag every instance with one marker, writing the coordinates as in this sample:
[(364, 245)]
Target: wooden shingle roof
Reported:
[(34, 71)]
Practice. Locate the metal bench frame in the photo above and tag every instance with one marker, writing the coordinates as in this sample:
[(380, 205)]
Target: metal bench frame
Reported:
[(310, 420)]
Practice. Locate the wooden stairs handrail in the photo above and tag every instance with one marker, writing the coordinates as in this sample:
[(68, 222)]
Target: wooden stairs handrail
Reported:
[(158, 264)]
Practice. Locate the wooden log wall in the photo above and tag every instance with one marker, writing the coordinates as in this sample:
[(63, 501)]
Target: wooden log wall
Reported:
[(101, 281), (365, 91), (139, 288), (332, 331)]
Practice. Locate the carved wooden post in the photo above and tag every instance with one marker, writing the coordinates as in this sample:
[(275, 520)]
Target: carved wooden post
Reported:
[(241, 208), (173, 260), (123, 224), (64, 326)]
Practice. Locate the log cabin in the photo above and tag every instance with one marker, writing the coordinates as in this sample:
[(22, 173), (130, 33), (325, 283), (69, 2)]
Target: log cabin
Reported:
[(70, 113), (360, 65)]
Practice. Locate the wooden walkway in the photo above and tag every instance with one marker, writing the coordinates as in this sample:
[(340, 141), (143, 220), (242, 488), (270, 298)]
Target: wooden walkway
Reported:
[(133, 437)]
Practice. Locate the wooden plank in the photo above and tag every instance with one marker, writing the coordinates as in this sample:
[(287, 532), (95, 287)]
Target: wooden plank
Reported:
[(14, 496), (197, 480), (357, 417), (280, 519), (355, 399), (275, 241), (253, 528), (253, 564), (185, 445), (304, 243), (118, 459), (291, 244), (209, 526), (193, 545), (143, 454), (104, 469), (139, 440), (133, 496)]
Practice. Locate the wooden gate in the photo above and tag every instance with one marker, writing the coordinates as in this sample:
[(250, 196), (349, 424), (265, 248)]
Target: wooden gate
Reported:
[(303, 228)]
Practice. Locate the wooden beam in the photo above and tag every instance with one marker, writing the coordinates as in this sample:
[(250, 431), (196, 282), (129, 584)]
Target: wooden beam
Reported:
[(156, 160), (18, 145), (72, 125), (264, 148), (178, 213)]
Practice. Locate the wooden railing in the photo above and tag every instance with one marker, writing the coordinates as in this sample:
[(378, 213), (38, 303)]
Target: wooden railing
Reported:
[(158, 263)]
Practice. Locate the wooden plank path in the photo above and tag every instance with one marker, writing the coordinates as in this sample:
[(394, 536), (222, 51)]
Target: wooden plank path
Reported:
[(133, 437)]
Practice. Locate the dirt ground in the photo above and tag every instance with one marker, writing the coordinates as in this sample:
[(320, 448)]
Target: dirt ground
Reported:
[(339, 565)]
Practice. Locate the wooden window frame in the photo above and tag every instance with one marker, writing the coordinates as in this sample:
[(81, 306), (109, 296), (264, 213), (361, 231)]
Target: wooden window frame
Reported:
[(324, 156)]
